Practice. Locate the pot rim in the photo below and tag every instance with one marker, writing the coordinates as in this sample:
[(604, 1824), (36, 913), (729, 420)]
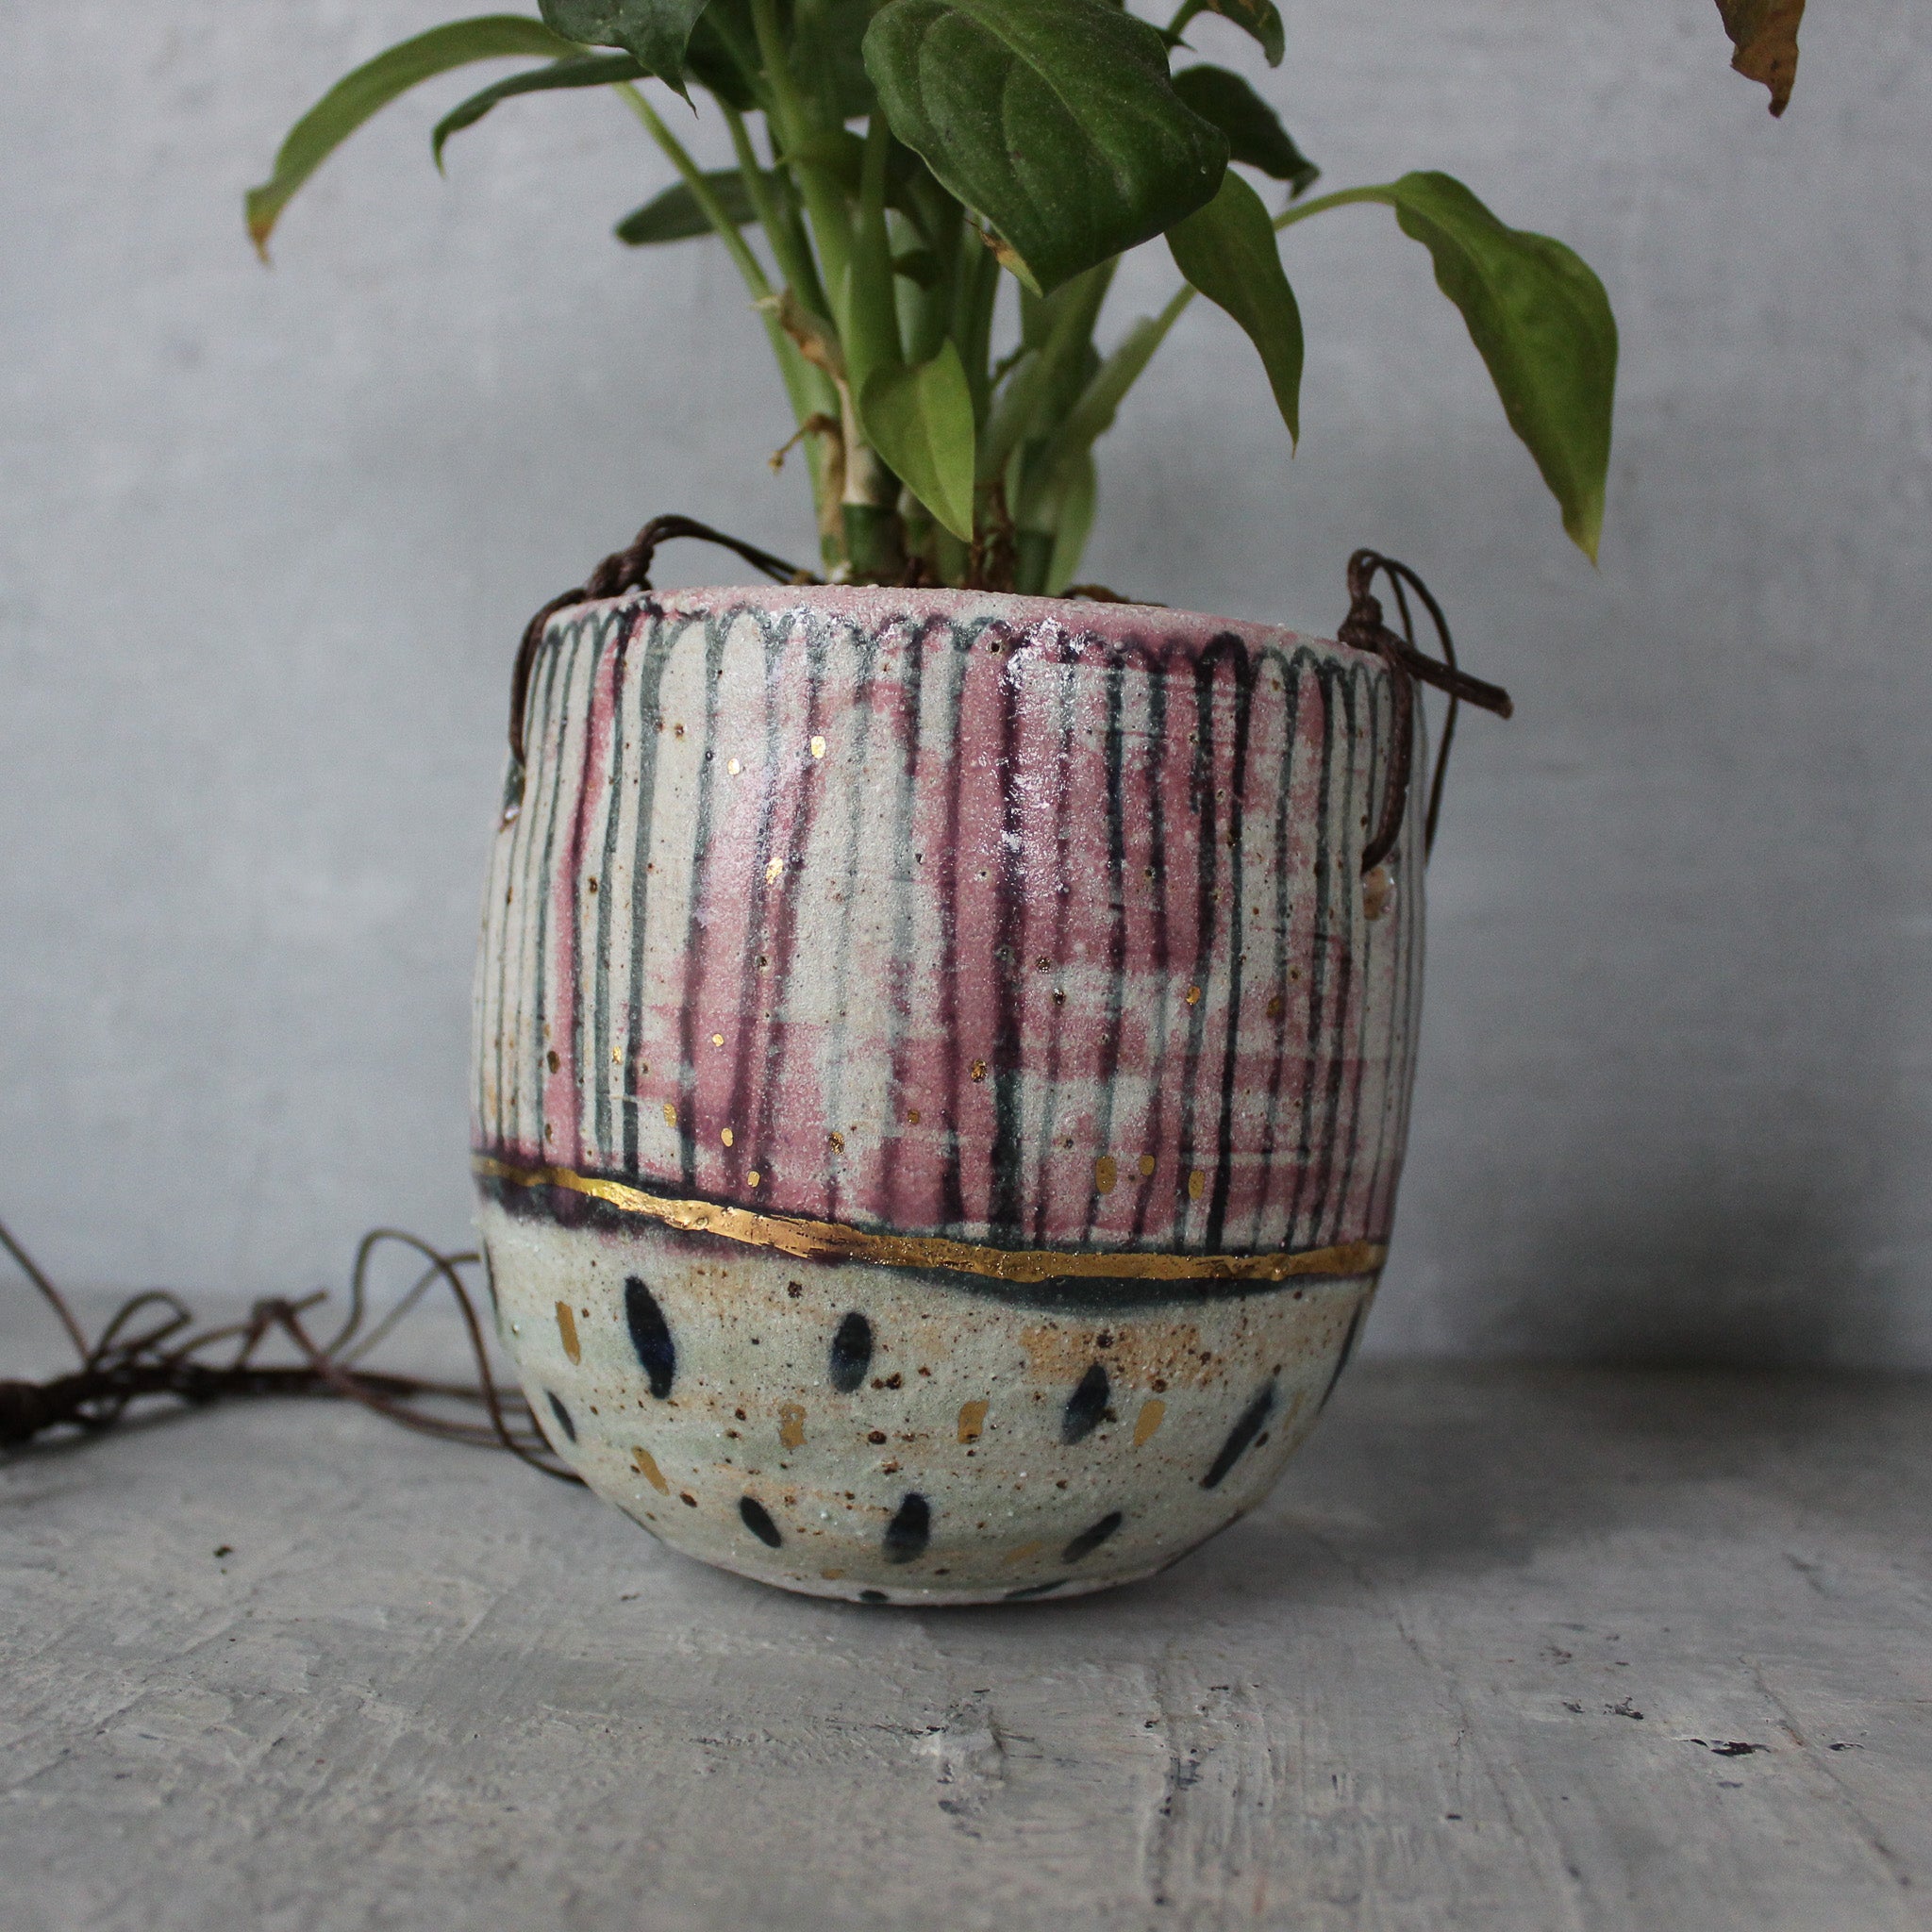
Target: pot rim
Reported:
[(1030, 611)]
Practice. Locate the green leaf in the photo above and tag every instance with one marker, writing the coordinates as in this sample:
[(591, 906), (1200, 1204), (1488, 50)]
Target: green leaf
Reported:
[(827, 45), (919, 417), (1540, 321), (1256, 137), (1258, 17), (653, 32), (1079, 494), (374, 85), (1053, 119), (580, 69), (1228, 251), (676, 216), (709, 58)]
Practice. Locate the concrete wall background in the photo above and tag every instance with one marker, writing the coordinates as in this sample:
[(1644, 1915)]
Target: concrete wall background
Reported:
[(266, 542)]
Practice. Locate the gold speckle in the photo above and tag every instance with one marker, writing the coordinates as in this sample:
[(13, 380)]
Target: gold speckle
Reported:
[(1193, 996), (791, 1425), (670, 1115), (772, 871), (836, 1142), (1105, 1174), (592, 882), (732, 766), (818, 746), (617, 1056), (979, 1070), (1020, 1554), (912, 1115), (724, 1135), (1153, 1412), (754, 1177), (647, 1468), (567, 1327), (717, 1040), (1146, 1165), (971, 1421), (831, 1575), (1197, 1182)]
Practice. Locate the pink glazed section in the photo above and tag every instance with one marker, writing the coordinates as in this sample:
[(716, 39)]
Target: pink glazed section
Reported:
[(1015, 921)]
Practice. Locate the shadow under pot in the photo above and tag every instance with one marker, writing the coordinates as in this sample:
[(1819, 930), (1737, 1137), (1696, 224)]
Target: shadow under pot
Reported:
[(942, 1071)]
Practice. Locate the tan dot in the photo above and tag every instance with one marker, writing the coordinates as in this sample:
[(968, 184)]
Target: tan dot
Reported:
[(979, 1070), (912, 1115), (670, 1115), (971, 1421), (725, 1136), (1105, 1174), (791, 1425), (1151, 1413), (567, 1327), (555, 1060), (836, 1142), (754, 1177), (1193, 996), (831, 1575), (647, 1468), (732, 766), (818, 747), (1197, 1181), (1277, 1006), (1025, 1550), (1146, 1165)]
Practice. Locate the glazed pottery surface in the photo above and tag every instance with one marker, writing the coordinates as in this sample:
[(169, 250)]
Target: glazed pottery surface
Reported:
[(941, 1074)]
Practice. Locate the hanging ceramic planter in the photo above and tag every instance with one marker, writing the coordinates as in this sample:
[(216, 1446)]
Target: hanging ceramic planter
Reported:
[(943, 1064)]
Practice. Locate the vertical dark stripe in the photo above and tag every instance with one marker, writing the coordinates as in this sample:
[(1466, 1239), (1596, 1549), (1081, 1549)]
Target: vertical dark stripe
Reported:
[(1156, 846), (867, 640), (1049, 1078), (716, 628), (510, 1005), (1245, 675), (1361, 928), (582, 985), (1292, 671), (784, 927), (1317, 952), (906, 863), (539, 1004), (613, 814), (1003, 1188), (1113, 756), (1345, 871), (774, 629), (960, 639), (662, 635)]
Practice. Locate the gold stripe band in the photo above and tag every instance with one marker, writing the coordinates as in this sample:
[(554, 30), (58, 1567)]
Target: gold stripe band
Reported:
[(831, 1240)]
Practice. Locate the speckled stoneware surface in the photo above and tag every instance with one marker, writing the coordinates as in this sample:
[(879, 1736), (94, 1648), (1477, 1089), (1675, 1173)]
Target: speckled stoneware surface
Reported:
[(940, 1075)]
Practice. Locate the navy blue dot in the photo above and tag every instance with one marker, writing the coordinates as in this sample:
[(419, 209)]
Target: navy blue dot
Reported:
[(1086, 1406), (1090, 1540), (758, 1519), (909, 1531), (650, 1335), (562, 1415), (1239, 1437), (851, 1353), (873, 1596)]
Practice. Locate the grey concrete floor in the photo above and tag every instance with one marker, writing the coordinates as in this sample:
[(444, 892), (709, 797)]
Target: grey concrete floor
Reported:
[(1508, 1649)]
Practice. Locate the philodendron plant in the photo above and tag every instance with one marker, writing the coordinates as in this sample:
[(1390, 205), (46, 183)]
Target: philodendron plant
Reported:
[(899, 161)]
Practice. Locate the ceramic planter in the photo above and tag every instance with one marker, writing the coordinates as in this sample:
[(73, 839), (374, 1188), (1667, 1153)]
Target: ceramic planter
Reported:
[(941, 1074)]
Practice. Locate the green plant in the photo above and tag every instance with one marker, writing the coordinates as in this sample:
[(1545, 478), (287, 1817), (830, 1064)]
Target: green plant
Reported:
[(916, 155)]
